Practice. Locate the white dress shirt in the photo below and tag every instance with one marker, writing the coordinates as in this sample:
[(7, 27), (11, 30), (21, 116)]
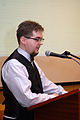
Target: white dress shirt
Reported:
[(16, 77)]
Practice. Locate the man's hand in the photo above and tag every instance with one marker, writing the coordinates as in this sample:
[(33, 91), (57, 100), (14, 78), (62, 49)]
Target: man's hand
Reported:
[(55, 94)]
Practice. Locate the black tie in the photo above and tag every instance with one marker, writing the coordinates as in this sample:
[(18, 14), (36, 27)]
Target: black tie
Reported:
[(32, 58)]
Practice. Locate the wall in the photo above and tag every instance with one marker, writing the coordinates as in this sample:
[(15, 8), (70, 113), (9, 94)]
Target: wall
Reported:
[(60, 18)]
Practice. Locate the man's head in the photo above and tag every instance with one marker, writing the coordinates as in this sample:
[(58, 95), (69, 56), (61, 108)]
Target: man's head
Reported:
[(30, 36)]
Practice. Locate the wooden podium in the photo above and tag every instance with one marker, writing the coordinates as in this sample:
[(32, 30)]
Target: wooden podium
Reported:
[(63, 107)]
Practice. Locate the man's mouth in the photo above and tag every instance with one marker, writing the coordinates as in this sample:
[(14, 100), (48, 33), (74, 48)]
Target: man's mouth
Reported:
[(37, 48)]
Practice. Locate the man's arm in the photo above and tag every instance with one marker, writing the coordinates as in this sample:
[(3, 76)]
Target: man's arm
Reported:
[(48, 86)]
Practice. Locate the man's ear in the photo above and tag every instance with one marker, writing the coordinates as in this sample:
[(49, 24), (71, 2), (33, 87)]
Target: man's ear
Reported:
[(22, 40)]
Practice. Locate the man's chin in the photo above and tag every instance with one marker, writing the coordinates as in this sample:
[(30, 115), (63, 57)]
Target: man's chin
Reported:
[(35, 54)]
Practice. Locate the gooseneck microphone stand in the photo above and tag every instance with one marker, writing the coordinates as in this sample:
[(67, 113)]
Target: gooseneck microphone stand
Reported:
[(68, 53)]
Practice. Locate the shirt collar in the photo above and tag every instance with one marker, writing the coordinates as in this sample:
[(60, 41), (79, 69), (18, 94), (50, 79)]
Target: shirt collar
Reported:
[(25, 54)]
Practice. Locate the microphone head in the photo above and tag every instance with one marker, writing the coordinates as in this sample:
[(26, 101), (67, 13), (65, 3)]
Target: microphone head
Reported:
[(47, 53)]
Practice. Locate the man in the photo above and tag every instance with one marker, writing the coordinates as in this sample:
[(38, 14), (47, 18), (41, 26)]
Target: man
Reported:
[(23, 81)]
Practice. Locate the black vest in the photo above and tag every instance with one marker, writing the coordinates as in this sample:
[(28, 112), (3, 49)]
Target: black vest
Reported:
[(12, 107)]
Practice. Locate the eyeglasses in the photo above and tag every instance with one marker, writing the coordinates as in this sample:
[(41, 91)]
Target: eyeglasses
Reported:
[(38, 39)]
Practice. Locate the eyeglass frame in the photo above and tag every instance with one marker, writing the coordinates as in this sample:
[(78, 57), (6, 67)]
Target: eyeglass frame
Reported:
[(36, 39)]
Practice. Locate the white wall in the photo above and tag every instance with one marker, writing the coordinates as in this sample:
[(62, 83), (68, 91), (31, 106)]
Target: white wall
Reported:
[(60, 18)]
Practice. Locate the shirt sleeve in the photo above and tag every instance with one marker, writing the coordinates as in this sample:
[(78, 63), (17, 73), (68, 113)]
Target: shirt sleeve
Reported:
[(48, 86), (16, 76)]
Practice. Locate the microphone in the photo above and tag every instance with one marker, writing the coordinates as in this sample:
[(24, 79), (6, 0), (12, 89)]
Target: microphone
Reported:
[(48, 53)]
